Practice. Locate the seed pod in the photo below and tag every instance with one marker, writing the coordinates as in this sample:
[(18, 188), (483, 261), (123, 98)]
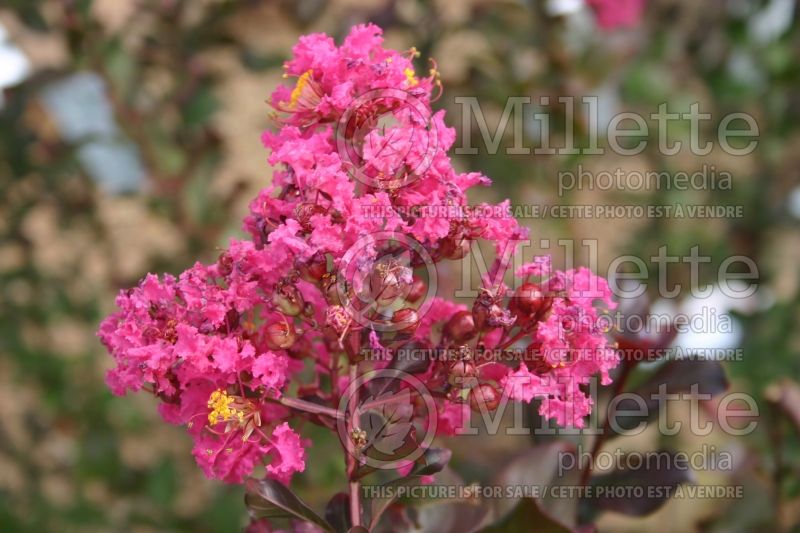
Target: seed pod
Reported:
[(484, 397), (460, 328)]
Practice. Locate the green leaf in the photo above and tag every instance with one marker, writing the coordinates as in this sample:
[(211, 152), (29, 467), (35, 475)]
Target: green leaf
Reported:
[(267, 498), (786, 396), (200, 107)]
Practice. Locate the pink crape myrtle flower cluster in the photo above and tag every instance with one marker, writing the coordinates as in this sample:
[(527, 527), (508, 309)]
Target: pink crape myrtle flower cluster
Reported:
[(234, 349), (613, 14)]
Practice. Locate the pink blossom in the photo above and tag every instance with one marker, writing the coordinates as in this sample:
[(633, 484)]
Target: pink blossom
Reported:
[(613, 14), (289, 453), (271, 370)]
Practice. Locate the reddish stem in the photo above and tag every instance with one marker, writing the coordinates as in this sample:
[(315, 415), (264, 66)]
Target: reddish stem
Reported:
[(350, 454), (627, 367), (309, 407)]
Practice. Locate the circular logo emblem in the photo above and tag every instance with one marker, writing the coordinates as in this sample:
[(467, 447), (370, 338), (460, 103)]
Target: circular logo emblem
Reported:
[(375, 277), (390, 418), (386, 138)]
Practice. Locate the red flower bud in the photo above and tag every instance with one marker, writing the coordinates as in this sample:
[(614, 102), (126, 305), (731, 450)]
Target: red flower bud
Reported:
[(535, 361), (288, 299), (460, 328), (418, 289), (406, 320), (484, 397), (305, 211), (461, 372), (225, 265), (280, 334), (388, 282), (313, 269), (458, 249), (528, 302), (330, 290)]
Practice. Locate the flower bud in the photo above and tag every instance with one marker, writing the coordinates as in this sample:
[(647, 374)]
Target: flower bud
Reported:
[(330, 290), (305, 211), (288, 299), (280, 334), (459, 249), (535, 361), (406, 320), (481, 308), (225, 265), (313, 269), (528, 301), (461, 372), (484, 397), (417, 290), (353, 345), (460, 328), (388, 281)]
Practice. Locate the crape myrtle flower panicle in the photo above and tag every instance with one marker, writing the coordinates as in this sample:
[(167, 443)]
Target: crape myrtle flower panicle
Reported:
[(222, 345)]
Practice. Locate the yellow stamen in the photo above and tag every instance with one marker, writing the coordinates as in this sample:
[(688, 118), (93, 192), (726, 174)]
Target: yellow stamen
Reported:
[(302, 81), (411, 77), (221, 411)]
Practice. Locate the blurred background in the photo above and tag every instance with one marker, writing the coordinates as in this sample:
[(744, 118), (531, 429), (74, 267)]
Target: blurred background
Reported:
[(129, 143)]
